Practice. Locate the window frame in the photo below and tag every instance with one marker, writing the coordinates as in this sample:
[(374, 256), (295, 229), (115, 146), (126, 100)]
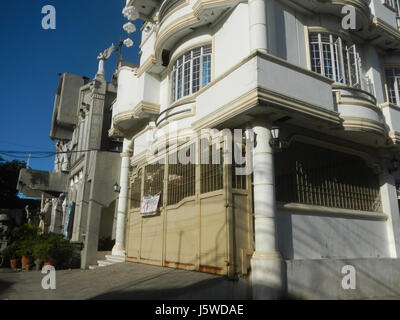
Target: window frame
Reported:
[(182, 84), (343, 70), (396, 94)]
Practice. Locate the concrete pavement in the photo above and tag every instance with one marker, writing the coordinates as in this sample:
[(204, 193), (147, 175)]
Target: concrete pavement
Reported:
[(119, 281)]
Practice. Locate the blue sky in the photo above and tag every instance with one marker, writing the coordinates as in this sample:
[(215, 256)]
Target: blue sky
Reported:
[(31, 58)]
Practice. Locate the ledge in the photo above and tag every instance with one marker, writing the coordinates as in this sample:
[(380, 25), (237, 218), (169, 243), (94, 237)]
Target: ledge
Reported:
[(321, 211)]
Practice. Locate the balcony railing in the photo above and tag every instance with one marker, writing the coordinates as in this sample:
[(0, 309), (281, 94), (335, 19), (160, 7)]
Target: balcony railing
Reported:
[(167, 6)]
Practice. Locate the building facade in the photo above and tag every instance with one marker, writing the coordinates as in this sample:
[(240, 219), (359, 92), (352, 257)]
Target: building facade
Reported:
[(319, 197), (78, 200)]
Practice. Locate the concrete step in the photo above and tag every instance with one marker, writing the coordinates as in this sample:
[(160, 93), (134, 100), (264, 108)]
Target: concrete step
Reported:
[(104, 263), (115, 259)]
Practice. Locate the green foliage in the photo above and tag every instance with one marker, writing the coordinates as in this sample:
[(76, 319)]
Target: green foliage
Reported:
[(25, 247), (26, 241), (11, 252), (9, 173), (105, 244), (53, 248), (24, 232)]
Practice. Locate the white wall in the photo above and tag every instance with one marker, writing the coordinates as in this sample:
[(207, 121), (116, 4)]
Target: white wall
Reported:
[(381, 11), (232, 41), (315, 237)]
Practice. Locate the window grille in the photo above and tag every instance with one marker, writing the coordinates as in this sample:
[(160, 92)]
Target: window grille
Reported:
[(318, 176), (333, 58), (211, 174), (181, 180), (393, 85), (395, 5), (136, 189), (239, 181), (154, 180), (191, 72)]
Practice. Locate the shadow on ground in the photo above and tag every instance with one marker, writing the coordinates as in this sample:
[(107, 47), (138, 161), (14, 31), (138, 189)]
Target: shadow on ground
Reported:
[(4, 285), (219, 288)]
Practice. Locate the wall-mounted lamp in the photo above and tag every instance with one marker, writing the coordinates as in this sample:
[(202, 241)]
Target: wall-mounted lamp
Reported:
[(116, 188), (275, 140)]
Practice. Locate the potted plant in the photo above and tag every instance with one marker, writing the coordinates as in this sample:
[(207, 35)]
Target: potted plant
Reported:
[(43, 252), (11, 252), (25, 251)]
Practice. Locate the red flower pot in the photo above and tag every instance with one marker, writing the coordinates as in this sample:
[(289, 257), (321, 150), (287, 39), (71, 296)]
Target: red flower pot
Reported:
[(26, 262), (14, 263)]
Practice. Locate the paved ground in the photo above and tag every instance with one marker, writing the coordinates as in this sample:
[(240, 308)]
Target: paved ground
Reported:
[(127, 281), (119, 281)]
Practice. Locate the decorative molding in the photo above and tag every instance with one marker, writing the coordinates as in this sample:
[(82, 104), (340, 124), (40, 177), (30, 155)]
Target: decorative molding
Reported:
[(146, 65), (261, 96), (312, 210), (115, 133), (98, 96), (383, 26), (389, 105), (201, 5), (364, 125), (142, 110), (394, 136)]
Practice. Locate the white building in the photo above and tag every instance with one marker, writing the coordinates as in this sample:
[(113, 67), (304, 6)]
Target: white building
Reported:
[(322, 198)]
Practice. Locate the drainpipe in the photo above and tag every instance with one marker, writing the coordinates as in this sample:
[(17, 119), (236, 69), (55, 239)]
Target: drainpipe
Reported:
[(119, 247), (258, 25)]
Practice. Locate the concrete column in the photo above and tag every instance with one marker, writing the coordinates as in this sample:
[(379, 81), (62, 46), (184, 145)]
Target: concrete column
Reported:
[(119, 247), (258, 25), (266, 263)]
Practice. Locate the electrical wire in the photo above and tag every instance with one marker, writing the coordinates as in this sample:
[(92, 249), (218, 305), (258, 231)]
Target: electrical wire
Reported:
[(44, 154)]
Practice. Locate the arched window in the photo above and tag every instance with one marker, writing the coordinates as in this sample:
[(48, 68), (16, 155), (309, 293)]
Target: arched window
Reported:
[(191, 72)]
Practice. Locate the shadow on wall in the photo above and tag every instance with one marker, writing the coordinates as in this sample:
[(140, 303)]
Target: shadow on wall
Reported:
[(321, 278)]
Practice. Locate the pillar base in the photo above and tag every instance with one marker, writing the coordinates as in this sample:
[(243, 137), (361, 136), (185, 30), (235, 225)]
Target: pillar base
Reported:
[(267, 276), (118, 250)]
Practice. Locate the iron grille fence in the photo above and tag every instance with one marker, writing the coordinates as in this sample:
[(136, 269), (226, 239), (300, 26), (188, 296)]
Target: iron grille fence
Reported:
[(153, 180), (318, 176), (181, 180), (136, 188), (212, 174), (239, 181)]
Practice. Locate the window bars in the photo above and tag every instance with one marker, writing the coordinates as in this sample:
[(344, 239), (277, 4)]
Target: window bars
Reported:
[(181, 179), (395, 5), (239, 181), (191, 71), (317, 176), (136, 189), (393, 85), (212, 174), (333, 58)]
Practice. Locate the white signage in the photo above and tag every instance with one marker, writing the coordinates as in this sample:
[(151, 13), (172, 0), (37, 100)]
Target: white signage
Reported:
[(149, 205)]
